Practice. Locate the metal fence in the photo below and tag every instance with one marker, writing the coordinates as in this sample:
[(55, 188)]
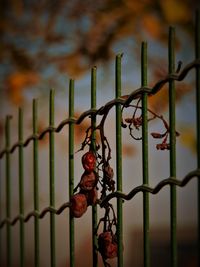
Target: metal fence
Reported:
[(118, 103)]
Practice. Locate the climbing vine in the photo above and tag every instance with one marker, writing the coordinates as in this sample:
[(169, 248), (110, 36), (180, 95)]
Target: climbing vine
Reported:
[(97, 179)]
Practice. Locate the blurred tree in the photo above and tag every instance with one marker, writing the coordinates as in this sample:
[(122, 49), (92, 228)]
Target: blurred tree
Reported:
[(39, 38)]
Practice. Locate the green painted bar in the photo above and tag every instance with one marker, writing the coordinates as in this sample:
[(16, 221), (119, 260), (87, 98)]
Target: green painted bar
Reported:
[(21, 186), (172, 117), (8, 192), (146, 246), (35, 183), (51, 180), (197, 56), (119, 159), (71, 170), (1, 241), (93, 147), (1, 215)]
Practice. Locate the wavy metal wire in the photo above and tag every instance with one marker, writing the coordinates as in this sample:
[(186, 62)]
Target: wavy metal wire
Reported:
[(102, 110), (142, 188)]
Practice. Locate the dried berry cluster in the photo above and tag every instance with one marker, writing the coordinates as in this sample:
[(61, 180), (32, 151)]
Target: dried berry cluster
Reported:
[(107, 240), (98, 172), (87, 195), (135, 122), (87, 187)]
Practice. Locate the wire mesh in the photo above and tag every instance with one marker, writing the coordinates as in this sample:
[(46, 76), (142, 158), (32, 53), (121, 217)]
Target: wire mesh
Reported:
[(143, 92)]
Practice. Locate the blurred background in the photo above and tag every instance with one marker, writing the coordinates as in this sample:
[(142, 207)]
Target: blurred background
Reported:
[(43, 45)]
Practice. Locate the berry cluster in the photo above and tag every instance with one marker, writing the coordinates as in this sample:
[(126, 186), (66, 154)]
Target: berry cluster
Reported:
[(135, 122), (163, 136), (97, 169), (87, 187), (107, 240)]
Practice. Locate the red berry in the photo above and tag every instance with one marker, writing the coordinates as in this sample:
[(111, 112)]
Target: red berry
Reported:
[(107, 245), (89, 161), (88, 181), (111, 251), (105, 238), (78, 205)]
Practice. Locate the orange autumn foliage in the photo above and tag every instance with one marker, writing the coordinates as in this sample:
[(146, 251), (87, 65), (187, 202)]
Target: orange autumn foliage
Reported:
[(188, 138), (152, 25), (17, 82), (175, 11), (75, 35), (159, 102)]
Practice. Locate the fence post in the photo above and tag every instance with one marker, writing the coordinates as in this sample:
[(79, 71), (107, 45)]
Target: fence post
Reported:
[(197, 56), (119, 159), (51, 178), (93, 146), (21, 186), (35, 183), (145, 155), (8, 191), (71, 168), (172, 117)]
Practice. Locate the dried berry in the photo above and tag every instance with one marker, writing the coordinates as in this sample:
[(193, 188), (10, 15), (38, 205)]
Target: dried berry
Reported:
[(108, 171), (88, 181), (137, 122), (78, 205), (129, 120), (111, 251), (108, 176), (104, 239), (89, 161), (163, 146), (157, 135), (92, 196), (107, 245)]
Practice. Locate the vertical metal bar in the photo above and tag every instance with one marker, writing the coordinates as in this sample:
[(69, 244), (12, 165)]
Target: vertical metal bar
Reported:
[(146, 246), (93, 147), (172, 116), (21, 186), (0, 221), (71, 169), (119, 159), (51, 179), (35, 182), (197, 56), (8, 191)]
